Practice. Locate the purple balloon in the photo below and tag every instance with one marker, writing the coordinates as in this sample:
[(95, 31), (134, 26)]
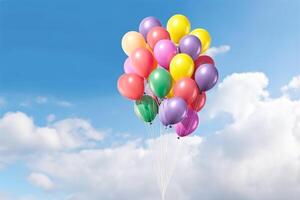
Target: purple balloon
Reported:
[(147, 24), (206, 77), (188, 124), (128, 66), (172, 111), (164, 51), (190, 45)]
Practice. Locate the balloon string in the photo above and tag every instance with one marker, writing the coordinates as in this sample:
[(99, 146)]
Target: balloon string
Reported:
[(151, 134)]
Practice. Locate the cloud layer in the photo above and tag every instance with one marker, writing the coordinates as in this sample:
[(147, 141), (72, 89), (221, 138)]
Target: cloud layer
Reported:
[(255, 156)]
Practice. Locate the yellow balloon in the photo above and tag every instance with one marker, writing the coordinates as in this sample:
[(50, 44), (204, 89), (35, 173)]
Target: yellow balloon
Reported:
[(171, 92), (204, 37), (181, 66), (178, 26), (131, 41)]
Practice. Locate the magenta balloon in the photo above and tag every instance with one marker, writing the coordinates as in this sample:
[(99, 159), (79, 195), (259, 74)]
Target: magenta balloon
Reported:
[(188, 125), (128, 68), (164, 51), (172, 111)]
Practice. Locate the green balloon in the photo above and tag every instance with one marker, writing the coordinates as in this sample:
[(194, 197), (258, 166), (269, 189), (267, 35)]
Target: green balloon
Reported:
[(146, 108), (160, 82)]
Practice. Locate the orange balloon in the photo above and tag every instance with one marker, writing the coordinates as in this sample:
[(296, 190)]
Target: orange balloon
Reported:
[(199, 102), (156, 34), (155, 61), (131, 86), (131, 41), (143, 62), (187, 89)]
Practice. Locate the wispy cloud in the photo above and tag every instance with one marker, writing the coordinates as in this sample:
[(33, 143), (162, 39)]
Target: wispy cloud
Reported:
[(64, 104), (41, 100), (2, 102), (214, 51), (41, 180)]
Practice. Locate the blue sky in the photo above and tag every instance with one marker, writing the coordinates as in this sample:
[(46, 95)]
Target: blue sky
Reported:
[(69, 52)]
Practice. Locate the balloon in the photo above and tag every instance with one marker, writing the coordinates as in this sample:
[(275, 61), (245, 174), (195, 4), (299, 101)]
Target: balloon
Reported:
[(160, 82), (178, 26), (149, 92), (171, 92), (182, 65), (164, 51), (156, 34), (172, 111), (203, 59), (146, 108), (206, 77), (131, 41), (147, 24), (151, 51), (131, 86), (188, 124), (203, 36), (190, 45), (199, 102), (187, 89), (142, 61), (128, 68)]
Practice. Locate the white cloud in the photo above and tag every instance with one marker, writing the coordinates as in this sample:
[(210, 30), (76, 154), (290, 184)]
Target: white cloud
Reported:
[(20, 136), (76, 132), (214, 51), (239, 94), (41, 180), (292, 86)]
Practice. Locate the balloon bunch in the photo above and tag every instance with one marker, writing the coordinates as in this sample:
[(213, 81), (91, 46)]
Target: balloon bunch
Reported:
[(167, 72)]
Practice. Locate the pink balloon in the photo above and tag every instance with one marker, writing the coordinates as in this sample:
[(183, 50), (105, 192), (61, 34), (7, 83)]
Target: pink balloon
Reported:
[(128, 68), (188, 125), (164, 51)]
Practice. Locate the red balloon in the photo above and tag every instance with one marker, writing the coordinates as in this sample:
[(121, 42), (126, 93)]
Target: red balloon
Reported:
[(131, 86), (187, 89), (142, 61), (156, 34), (199, 102), (203, 59)]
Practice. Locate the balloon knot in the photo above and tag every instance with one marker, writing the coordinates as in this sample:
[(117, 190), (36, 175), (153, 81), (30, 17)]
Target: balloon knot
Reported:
[(178, 138)]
